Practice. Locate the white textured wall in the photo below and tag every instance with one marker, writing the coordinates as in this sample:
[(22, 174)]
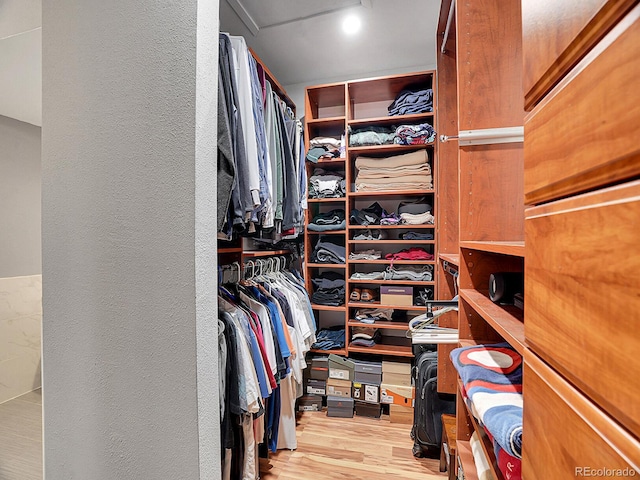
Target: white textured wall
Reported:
[(20, 177), (129, 377)]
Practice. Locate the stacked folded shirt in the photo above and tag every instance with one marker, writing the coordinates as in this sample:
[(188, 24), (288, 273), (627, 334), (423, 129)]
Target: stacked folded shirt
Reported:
[(410, 171), (371, 315), (369, 235), (365, 255), (418, 273), (333, 220), (367, 276), (414, 134), (417, 236), (412, 101), (371, 136), (329, 289), (329, 339), (417, 219), (365, 336), (327, 250), (323, 147), (325, 184), (413, 253)]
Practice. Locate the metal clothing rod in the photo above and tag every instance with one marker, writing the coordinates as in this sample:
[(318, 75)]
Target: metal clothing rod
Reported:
[(448, 27), (487, 136)]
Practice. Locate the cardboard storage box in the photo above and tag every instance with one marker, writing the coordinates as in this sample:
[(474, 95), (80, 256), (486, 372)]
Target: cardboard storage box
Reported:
[(399, 414), (396, 379), (368, 367), (372, 378), (338, 388), (316, 387), (366, 393), (394, 295), (402, 368), (373, 410), (397, 395), (310, 403), (341, 368), (339, 407), (319, 368)]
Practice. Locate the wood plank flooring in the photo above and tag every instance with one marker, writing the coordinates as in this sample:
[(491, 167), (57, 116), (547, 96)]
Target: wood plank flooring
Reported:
[(358, 448), (21, 437)]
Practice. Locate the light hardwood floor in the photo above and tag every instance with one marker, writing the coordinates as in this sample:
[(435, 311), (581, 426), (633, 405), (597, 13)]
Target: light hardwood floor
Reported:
[(358, 448), (21, 438)]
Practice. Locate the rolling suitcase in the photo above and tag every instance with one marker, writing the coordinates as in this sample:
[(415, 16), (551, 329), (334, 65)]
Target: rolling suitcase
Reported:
[(429, 406)]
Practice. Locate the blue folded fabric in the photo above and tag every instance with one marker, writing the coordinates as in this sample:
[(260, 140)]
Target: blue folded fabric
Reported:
[(492, 379)]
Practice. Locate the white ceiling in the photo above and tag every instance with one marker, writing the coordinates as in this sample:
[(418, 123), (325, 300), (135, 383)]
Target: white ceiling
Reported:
[(302, 41)]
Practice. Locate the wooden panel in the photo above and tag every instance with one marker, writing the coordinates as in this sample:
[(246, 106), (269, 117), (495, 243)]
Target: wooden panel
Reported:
[(581, 137), (564, 431), (491, 193), (556, 35), (582, 298), (476, 266), (489, 45)]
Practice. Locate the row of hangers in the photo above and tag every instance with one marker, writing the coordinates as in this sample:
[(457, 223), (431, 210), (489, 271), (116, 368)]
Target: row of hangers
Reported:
[(234, 272)]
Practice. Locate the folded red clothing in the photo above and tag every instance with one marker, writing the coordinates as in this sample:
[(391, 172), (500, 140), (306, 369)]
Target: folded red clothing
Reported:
[(413, 253)]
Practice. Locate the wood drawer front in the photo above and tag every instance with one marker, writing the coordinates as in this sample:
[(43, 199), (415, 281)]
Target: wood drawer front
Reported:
[(563, 430), (585, 133), (557, 34), (582, 294)]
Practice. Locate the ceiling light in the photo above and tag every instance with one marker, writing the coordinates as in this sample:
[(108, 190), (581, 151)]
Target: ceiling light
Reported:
[(351, 24)]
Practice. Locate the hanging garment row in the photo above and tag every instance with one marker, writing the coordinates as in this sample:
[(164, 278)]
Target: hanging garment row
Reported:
[(261, 175), (266, 326)]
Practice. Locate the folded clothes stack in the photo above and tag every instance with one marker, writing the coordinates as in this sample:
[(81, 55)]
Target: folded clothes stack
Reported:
[(371, 315), (374, 135), (369, 235), (327, 250), (417, 273), (418, 219), (365, 255), (329, 289), (417, 236), (409, 101), (413, 253), (329, 338), (390, 219), (420, 134), (410, 171), (365, 336), (370, 215), (327, 184), (332, 220), (323, 147)]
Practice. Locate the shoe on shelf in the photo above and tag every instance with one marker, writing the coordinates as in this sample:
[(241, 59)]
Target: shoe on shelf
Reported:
[(355, 295), (368, 295)]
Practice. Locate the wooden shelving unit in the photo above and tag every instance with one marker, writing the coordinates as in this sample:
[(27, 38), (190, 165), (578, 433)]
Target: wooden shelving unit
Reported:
[(452, 258), (505, 248), (330, 110)]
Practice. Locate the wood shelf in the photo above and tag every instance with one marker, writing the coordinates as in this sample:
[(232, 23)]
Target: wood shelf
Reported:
[(328, 308), (515, 249), (487, 445), (327, 122), (326, 265), (506, 320), (326, 200), (381, 324), (384, 349), (392, 282), (391, 193), (330, 161), (229, 250), (393, 120), (378, 305), (466, 459), (395, 241), (452, 258), (388, 149), (395, 262), (328, 232), (264, 253)]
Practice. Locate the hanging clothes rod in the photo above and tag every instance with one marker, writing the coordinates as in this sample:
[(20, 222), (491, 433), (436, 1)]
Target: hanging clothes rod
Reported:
[(487, 136), (448, 27)]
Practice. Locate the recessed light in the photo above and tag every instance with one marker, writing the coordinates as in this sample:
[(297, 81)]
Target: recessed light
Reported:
[(351, 25)]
